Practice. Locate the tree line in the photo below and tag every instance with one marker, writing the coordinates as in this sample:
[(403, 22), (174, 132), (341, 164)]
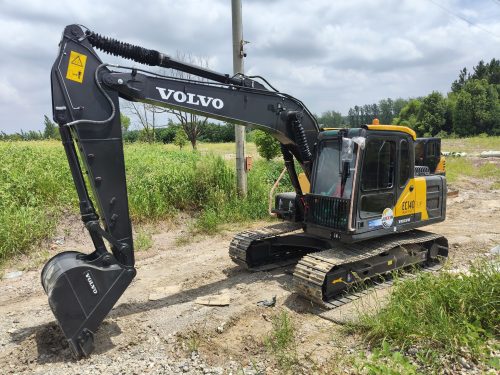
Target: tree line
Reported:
[(211, 132), (472, 107)]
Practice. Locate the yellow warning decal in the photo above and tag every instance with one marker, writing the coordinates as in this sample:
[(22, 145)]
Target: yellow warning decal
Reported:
[(76, 66)]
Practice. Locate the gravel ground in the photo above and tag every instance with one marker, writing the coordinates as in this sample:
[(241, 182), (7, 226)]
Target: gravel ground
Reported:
[(158, 328)]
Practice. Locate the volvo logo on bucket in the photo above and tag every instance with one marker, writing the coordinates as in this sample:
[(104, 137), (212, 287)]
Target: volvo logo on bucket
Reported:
[(90, 282)]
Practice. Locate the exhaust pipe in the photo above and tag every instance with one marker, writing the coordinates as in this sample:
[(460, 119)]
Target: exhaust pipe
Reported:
[(82, 289)]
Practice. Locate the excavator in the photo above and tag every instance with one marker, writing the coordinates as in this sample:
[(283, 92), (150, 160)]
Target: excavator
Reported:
[(353, 214)]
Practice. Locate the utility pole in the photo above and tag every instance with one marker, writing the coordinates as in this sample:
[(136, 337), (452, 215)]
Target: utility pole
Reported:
[(239, 131)]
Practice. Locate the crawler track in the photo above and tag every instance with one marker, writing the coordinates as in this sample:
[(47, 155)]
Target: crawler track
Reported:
[(326, 277), (247, 248)]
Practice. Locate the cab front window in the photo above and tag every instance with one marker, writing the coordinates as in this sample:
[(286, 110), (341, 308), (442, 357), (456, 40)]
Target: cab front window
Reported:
[(333, 175)]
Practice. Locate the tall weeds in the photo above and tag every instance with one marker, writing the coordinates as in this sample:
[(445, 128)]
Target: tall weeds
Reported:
[(445, 313), (36, 188)]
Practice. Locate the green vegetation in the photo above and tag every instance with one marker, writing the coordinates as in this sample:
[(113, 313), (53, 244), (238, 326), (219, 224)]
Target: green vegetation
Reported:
[(438, 314), (35, 184), (143, 240), (457, 167), (36, 188), (331, 119), (180, 138), (472, 107), (267, 146), (281, 342), (483, 142), (384, 361)]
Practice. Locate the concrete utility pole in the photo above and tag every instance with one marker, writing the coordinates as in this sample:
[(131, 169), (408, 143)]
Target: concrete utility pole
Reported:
[(239, 131)]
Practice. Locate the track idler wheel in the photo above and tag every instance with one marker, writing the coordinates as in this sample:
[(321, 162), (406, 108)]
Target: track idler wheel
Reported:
[(82, 289)]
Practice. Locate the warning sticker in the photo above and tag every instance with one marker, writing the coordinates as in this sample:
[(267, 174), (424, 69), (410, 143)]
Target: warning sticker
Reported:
[(76, 66)]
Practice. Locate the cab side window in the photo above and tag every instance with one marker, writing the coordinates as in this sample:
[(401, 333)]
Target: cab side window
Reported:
[(379, 162)]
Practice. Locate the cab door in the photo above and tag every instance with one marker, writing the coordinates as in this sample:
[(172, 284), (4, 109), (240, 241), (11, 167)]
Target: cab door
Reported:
[(404, 210), (377, 195)]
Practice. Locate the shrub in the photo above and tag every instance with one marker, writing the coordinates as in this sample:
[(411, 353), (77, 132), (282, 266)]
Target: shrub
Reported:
[(267, 146), (180, 138)]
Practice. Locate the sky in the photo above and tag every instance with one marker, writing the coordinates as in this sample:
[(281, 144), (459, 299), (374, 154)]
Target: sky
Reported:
[(330, 54)]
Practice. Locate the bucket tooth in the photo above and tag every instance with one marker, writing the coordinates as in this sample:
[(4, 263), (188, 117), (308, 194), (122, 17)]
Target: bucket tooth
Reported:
[(82, 289)]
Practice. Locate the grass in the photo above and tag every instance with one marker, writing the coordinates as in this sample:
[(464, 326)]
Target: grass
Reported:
[(439, 314), (35, 184), (281, 342), (143, 240), (36, 188), (384, 361), (458, 167), (471, 145), (225, 150)]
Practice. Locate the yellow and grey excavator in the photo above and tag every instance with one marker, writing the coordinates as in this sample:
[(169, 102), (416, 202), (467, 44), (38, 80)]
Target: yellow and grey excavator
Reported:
[(352, 216)]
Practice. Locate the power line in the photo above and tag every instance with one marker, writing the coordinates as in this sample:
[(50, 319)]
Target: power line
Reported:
[(459, 16)]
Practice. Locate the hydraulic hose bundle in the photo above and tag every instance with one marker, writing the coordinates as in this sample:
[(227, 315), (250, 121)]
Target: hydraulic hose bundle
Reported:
[(126, 50)]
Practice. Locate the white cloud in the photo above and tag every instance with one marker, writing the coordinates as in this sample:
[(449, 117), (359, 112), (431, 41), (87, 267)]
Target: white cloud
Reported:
[(331, 55)]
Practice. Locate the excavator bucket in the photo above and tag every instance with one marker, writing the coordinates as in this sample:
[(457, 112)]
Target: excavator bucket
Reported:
[(82, 289)]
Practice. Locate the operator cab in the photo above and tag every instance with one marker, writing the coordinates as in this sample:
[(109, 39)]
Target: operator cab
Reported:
[(364, 184)]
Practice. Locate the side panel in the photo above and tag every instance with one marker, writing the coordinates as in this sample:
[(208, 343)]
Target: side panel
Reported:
[(436, 196), (421, 199), (404, 211)]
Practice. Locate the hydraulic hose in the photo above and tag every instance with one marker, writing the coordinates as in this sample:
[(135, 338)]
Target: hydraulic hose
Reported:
[(290, 167), (126, 50), (154, 58), (300, 138)]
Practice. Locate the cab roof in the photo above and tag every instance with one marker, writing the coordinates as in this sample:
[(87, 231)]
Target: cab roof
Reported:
[(352, 132)]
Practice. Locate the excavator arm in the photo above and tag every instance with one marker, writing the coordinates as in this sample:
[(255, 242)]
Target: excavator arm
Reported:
[(82, 288)]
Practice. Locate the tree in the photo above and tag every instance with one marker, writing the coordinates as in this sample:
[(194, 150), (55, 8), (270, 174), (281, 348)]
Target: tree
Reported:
[(180, 138), (397, 106), (167, 134), (330, 119), (31, 135), (192, 124), (488, 71), (408, 114), (351, 118), (492, 125), (50, 130), (431, 114), (463, 76), (217, 132), (147, 116), (125, 121), (386, 111), (477, 109), (267, 146)]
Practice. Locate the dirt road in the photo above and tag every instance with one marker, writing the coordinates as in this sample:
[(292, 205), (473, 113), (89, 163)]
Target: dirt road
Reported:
[(158, 328)]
